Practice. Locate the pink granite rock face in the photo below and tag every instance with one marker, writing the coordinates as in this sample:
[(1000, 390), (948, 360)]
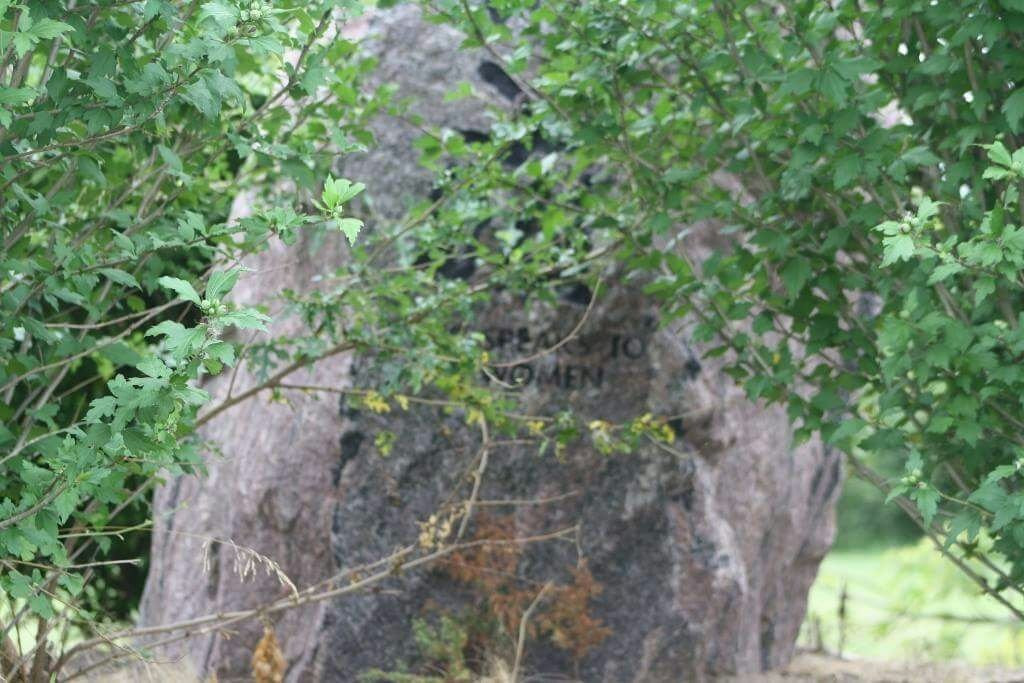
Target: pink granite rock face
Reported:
[(705, 547)]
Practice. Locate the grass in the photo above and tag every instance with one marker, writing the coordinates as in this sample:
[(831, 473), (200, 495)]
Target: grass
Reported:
[(907, 603)]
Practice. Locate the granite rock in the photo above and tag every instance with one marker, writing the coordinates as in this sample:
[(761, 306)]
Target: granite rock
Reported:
[(704, 547)]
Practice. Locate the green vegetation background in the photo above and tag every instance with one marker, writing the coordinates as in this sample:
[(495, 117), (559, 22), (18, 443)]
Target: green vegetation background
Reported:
[(904, 601)]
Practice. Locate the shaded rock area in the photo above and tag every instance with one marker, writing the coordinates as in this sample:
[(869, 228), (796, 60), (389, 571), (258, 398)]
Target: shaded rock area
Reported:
[(703, 548)]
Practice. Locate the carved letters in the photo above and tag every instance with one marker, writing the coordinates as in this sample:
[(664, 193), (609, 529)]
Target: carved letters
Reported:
[(578, 363)]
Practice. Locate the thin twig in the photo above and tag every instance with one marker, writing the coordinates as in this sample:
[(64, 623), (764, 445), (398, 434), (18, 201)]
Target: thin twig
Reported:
[(213, 622), (568, 338), (521, 642)]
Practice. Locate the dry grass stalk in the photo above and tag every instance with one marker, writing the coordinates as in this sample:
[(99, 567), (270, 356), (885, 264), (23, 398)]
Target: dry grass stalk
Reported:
[(247, 562)]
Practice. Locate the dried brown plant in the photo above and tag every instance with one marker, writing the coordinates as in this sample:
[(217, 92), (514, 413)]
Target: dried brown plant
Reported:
[(268, 662)]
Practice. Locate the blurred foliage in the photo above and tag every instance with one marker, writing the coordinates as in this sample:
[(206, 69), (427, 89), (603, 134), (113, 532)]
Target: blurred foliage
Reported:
[(864, 521), (907, 604)]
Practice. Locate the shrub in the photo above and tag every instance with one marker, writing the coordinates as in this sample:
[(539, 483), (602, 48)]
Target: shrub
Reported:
[(126, 129), (863, 161)]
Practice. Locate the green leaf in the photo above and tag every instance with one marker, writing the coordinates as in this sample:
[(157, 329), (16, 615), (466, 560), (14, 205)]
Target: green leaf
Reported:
[(764, 322), (125, 243), (151, 9), (19, 585), (895, 492), (851, 69), (221, 282), (999, 154), (169, 157), (846, 171), (927, 209), (154, 367), (338, 191), (65, 504), (223, 14), (944, 271), (10, 97), (914, 462), (23, 43), (266, 45), (72, 583), (967, 520), (996, 173), (795, 275), (170, 328), (1005, 513), (927, 502), (1002, 472), (183, 288), (190, 224), (920, 156), (797, 82), (138, 442), (100, 408), (247, 319), (222, 352), (832, 86), (102, 86), (199, 96), (181, 340), (1013, 108), (351, 228), (897, 248), (40, 604), (224, 88), (35, 476), (121, 277), (46, 29), (847, 430), (462, 90), (983, 288)]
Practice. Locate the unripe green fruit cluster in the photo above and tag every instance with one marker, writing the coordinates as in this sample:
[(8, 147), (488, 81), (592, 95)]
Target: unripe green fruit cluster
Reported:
[(913, 479), (258, 10), (213, 308)]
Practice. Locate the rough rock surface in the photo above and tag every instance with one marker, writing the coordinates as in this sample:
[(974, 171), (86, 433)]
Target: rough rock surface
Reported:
[(705, 549)]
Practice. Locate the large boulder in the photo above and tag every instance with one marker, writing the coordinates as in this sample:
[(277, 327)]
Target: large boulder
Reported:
[(693, 552), (703, 548)]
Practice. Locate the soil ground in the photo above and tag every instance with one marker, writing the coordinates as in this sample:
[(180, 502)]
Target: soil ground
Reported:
[(806, 668)]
